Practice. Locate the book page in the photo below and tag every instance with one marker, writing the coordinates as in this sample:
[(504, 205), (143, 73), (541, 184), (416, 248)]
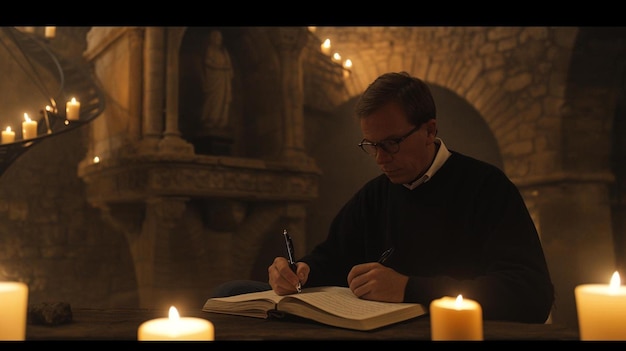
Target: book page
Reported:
[(255, 304), (340, 301), (269, 295)]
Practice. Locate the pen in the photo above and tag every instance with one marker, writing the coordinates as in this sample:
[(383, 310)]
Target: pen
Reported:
[(385, 255), (291, 256)]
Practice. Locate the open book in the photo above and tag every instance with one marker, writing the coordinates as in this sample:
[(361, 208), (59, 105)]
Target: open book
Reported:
[(331, 305)]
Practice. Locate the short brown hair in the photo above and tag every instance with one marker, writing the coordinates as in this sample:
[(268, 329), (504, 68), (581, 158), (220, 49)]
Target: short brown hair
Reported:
[(409, 92)]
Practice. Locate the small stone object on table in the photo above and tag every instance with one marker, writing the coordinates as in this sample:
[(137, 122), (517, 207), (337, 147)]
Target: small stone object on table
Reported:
[(49, 313)]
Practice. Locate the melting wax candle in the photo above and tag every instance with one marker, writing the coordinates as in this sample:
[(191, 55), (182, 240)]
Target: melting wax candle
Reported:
[(601, 310), (176, 328), (456, 319)]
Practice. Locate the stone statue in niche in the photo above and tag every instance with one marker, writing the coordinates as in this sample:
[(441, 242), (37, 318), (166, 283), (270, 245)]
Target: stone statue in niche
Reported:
[(217, 74)]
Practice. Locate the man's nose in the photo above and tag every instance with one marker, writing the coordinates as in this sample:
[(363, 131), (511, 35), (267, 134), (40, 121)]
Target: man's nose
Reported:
[(383, 156)]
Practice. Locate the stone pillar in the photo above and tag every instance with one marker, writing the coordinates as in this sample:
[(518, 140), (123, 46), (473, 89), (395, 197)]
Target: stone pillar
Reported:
[(135, 82), (289, 43), (172, 141), (154, 88), (151, 249)]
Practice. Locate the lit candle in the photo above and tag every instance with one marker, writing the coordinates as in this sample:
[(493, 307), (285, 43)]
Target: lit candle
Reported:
[(347, 65), (176, 328), (13, 310), (326, 47), (8, 136), (456, 319), (50, 32), (72, 110), (601, 310), (29, 128)]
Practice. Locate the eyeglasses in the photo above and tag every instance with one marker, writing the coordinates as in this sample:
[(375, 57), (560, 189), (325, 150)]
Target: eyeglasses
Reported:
[(390, 146)]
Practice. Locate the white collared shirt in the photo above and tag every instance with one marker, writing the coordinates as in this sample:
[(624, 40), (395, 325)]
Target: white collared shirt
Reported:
[(440, 158)]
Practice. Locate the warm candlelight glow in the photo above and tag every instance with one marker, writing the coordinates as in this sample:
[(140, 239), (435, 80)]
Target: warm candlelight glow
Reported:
[(458, 303), (456, 319), (72, 110), (336, 57), (347, 64), (50, 32), (8, 136), (174, 316), (601, 310), (176, 327), (29, 128), (13, 310), (615, 282), (326, 47), (96, 159)]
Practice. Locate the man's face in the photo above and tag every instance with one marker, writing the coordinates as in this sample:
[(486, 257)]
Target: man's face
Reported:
[(415, 152)]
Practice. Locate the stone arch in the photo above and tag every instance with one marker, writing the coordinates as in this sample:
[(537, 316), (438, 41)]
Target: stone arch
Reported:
[(486, 98), (505, 73)]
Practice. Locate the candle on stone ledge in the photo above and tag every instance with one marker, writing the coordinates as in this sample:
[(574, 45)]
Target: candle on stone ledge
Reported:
[(456, 319), (29, 128), (8, 136), (72, 110), (176, 328), (50, 31), (601, 310), (325, 47), (13, 310)]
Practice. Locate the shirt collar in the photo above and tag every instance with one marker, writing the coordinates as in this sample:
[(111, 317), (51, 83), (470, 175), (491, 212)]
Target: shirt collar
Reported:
[(440, 158)]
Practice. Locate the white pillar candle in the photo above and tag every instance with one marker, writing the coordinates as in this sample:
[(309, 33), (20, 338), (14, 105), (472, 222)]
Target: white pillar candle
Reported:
[(601, 310), (13, 310), (50, 32), (325, 47), (456, 319), (29, 128), (72, 110), (176, 328), (8, 136)]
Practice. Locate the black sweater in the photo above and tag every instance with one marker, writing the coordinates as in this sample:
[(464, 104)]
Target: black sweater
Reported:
[(465, 231)]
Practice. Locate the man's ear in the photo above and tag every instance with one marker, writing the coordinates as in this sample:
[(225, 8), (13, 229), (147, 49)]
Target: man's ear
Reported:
[(431, 128)]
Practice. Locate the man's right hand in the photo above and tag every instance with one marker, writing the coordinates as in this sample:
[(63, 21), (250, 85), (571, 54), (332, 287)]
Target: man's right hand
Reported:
[(283, 280)]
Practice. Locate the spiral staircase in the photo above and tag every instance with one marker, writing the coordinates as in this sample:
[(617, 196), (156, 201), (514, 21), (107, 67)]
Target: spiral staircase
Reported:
[(39, 62)]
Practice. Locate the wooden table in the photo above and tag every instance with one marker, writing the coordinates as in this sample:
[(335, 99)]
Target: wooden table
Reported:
[(122, 324)]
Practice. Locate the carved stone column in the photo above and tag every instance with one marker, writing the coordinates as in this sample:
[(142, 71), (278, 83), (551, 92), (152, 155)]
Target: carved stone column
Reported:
[(172, 141), (151, 248), (289, 43), (154, 94)]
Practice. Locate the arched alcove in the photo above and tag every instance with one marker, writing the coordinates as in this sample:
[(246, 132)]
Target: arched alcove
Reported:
[(463, 129)]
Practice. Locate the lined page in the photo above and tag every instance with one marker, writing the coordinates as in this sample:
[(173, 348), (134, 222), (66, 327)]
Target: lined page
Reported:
[(342, 302)]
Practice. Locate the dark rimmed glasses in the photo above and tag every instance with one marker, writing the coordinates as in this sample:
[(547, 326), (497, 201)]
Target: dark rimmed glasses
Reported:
[(390, 146)]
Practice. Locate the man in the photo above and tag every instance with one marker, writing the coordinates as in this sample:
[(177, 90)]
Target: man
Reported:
[(449, 224)]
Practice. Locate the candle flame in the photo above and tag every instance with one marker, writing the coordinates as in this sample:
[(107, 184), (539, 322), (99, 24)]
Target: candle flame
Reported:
[(8, 129), (615, 282), (326, 44), (337, 57), (174, 316), (73, 100), (96, 159), (26, 117), (459, 302), (347, 63)]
